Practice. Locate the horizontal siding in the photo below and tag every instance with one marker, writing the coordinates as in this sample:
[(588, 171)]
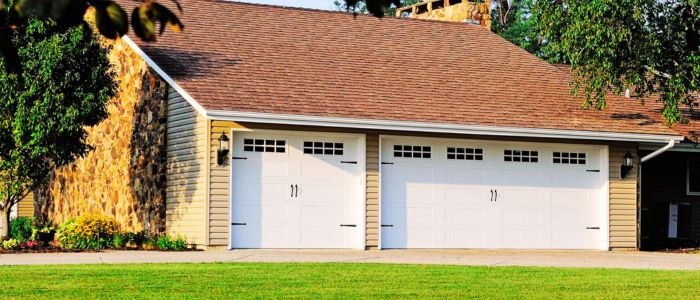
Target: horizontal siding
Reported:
[(372, 196), (219, 194), (25, 207), (623, 199), (186, 171)]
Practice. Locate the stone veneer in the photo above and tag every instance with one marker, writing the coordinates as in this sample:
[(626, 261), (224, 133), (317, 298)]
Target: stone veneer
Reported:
[(124, 176)]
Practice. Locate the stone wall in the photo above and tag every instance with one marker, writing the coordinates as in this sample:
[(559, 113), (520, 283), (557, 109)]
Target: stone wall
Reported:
[(451, 10), (124, 176)]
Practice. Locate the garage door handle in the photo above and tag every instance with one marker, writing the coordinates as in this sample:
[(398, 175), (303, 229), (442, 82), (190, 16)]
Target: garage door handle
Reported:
[(385, 225), (236, 157), (292, 188), (491, 196), (594, 171), (596, 228), (349, 162), (238, 224), (348, 225), (387, 163), (496, 199)]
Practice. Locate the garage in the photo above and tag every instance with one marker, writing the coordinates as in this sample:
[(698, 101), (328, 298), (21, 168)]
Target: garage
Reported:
[(297, 190), (451, 193)]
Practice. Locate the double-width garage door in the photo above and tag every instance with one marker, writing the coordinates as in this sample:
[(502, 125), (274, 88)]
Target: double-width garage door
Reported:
[(442, 193), (296, 190)]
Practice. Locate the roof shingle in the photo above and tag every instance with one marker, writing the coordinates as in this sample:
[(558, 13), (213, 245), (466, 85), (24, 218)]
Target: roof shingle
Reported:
[(259, 58)]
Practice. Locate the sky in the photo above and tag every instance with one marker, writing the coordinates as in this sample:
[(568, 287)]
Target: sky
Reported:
[(317, 4)]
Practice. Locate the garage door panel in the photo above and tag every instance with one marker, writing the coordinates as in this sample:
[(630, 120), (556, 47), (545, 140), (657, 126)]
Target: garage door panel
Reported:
[(460, 175), (411, 174), (521, 218), (324, 237), (521, 177), (570, 219), (520, 197), (569, 239), (466, 196), (522, 239), (443, 202), (324, 215), (464, 238), (465, 217)]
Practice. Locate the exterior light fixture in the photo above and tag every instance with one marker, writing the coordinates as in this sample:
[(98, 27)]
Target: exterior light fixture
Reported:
[(222, 153), (627, 164)]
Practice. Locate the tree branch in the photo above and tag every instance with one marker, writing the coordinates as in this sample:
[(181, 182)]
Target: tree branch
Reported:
[(657, 73)]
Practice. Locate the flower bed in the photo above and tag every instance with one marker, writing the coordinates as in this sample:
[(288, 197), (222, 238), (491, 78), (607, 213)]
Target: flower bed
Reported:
[(90, 232)]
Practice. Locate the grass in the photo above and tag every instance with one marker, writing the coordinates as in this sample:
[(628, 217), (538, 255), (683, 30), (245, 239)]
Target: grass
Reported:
[(257, 280)]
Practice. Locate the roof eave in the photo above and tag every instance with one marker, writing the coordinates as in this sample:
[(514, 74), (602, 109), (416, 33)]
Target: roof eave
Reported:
[(306, 120)]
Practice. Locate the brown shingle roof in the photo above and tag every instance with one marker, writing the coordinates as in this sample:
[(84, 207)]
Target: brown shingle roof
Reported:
[(259, 58)]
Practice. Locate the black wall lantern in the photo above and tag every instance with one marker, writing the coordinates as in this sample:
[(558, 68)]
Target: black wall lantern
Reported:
[(222, 153), (627, 164)]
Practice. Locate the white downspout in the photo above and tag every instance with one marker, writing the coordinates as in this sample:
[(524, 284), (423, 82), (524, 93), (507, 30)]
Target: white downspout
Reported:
[(656, 153)]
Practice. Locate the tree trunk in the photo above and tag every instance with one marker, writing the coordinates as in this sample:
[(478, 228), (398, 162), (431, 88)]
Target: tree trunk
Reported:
[(5, 232)]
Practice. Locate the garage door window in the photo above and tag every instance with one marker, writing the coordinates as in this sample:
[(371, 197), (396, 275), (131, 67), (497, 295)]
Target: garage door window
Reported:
[(410, 151), (323, 148), (693, 177), (569, 158), (458, 153), (262, 145), (521, 156)]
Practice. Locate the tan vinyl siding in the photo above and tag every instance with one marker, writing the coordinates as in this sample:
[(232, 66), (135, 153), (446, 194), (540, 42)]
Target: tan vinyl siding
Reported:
[(186, 170), (219, 196), (25, 207), (372, 204), (623, 199)]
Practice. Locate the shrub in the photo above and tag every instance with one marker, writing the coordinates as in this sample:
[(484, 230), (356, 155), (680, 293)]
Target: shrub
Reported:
[(120, 240), (90, 232), (10, 244), (150, 243), (138, 238), (21, 228), (164, 243), (179, 243)]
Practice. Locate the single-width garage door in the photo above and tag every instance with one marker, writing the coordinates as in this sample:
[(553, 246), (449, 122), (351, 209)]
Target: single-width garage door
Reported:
[(443, 193), (296, 190)]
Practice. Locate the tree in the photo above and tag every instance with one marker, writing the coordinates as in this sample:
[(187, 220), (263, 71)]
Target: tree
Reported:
[(647, 46), (515, 21), (110, 19), (63, 87)]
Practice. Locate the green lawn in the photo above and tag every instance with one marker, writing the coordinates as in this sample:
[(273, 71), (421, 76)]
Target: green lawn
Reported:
[(247, 280)]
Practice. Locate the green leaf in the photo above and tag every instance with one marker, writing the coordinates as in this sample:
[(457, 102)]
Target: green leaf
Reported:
[(145, 16), (111, 19), (142, 22)]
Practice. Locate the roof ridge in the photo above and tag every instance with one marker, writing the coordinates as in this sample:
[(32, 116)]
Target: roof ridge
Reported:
[(356, 15)]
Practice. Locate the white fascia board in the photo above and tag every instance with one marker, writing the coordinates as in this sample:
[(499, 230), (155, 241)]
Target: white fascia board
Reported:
[(165, 76), (269, 118)]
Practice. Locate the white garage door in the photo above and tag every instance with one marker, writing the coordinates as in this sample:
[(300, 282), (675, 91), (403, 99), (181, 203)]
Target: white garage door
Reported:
[(440, 193), (296, 190)]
